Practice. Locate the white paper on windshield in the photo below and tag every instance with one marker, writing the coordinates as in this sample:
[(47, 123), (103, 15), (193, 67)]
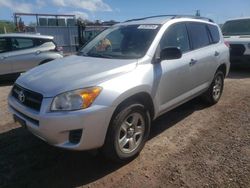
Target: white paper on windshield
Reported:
[(148, 27)]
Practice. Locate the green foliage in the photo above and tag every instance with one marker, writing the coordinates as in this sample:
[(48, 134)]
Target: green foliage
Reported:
[(10, 27)]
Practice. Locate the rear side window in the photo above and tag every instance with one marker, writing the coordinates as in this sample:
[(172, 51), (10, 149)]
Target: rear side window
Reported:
[(4, 45), (198, 34), (214, 33), (176, 36), (22, 43)]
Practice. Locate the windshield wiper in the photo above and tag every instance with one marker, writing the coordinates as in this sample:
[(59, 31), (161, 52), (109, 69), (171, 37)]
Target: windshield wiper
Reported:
[(99, 55), (81, 53)]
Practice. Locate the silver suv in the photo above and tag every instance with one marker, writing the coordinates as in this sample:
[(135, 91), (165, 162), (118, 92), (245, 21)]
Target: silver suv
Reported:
[(130, 74), (21, 52)]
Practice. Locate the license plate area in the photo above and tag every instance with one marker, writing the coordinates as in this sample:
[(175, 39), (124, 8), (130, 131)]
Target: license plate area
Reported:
[(20, 121)]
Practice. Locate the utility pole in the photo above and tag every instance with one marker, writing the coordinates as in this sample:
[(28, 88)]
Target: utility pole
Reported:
[(198, 13), (81, 27)]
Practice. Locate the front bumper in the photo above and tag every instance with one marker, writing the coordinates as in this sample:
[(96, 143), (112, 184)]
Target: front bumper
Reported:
[(55, 127)]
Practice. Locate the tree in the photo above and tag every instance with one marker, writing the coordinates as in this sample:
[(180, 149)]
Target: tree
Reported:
[(9, 26)]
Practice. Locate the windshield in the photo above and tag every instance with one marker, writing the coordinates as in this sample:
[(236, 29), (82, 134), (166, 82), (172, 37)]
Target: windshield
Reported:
[(121, 42), (237, 27)]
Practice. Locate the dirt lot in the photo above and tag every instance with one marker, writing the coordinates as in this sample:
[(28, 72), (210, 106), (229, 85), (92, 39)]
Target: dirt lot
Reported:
[(191, 146)]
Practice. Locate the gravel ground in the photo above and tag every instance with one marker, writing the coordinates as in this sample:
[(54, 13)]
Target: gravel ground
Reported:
[(191, 146)]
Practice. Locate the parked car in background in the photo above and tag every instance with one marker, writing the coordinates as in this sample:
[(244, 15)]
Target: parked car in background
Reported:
[(130, 74), (237, 33), (21, 52)]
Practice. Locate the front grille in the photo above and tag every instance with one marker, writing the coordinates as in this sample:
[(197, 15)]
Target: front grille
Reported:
[(26, 97), (34, 121)]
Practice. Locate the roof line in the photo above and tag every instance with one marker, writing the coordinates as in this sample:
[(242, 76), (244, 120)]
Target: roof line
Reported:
[(172, 17)]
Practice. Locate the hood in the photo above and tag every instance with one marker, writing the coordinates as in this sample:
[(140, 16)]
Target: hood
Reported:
[(72, 72)]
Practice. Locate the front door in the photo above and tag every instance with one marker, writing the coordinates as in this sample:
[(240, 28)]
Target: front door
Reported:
[(175, 82)]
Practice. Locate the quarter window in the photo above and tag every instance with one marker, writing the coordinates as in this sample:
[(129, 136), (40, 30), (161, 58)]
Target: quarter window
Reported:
[(22, 43), (198, 34), (214, 33), (176, 36)]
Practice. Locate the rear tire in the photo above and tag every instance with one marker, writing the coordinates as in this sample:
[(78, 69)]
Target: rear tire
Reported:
[(128, 132), (213, 94)]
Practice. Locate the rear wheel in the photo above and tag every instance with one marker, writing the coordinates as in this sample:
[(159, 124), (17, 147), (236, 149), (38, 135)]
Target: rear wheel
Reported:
[(127, 133), (213, 94)]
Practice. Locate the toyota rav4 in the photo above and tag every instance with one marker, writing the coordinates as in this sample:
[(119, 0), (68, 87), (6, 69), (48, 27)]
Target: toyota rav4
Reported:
[(107, 95)]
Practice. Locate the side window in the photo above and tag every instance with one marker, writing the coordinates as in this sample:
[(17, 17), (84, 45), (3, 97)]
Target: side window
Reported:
[(176, 36), (214, 33), (22, 43), (198, 34), (4, 45)]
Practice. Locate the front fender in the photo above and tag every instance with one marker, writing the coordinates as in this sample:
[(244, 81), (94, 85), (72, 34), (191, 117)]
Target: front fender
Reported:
[(124, 86)]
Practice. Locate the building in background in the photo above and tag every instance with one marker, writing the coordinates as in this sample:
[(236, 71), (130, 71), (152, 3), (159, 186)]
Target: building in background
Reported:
[(69, 32)]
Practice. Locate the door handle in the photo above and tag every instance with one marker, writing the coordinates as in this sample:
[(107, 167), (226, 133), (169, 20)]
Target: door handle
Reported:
[(216, 53), (192, 62)]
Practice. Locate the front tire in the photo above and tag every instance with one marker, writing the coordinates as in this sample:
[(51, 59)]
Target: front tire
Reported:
[(128, 132), (213, 94)]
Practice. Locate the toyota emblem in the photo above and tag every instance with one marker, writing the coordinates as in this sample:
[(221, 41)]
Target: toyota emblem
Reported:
[(21, 96)]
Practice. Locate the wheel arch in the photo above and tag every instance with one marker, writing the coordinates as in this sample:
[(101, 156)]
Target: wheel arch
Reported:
[(141, 97), (223, 69), (108, 149)]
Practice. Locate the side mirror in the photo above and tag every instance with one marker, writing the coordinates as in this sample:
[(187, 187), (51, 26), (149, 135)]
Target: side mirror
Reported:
[(170, 53)]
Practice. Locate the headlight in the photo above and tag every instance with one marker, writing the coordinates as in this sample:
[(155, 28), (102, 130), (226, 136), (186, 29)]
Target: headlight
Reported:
[(75, 100)]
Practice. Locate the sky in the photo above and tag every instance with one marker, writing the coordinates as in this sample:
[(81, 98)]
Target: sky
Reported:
[(121, 10)]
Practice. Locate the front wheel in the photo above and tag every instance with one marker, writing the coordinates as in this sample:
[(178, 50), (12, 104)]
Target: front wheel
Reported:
[(127, 133), (213, 94)]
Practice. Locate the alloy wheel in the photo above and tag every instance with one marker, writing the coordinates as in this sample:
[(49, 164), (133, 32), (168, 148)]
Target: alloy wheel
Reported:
[(131, 132)]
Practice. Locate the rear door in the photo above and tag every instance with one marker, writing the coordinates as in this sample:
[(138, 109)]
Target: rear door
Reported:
[(218, 47), (5, 66), (24, 54), (202, 63)]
